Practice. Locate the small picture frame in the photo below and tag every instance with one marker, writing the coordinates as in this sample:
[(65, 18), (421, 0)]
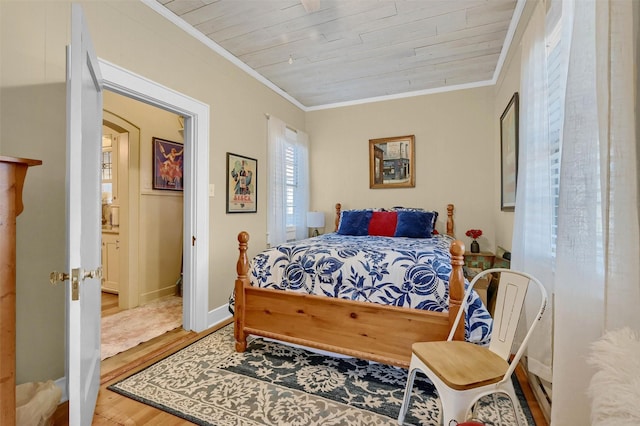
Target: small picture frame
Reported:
[(391, 162), (509, 154), (168, 165), (242, 184)]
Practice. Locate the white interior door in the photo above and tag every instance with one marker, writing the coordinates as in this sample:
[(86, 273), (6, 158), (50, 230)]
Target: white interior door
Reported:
[(84, 146)]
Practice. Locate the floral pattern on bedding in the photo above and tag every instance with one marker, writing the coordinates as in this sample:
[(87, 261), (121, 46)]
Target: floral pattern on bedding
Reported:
[(408, 272)]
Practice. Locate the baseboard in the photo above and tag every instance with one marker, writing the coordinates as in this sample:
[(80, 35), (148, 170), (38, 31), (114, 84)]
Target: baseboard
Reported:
[(218, 315), (542, 392), (157, 294), (62, 384)]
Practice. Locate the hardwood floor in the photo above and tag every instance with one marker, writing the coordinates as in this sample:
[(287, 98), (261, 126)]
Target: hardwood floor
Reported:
[(109, 304), (115, 409), (536, 411)]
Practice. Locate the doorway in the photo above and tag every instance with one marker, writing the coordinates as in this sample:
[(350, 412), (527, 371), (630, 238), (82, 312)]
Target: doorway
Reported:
[(146, 292), (196, 194)]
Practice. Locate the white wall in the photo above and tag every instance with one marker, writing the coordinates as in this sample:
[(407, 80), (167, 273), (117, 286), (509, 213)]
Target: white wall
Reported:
[(453, 153), (508, 83), (504, 90)]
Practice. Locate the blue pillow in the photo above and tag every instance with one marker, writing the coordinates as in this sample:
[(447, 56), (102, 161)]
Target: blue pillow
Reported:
[(418, 209), (355, 222), (415, 224)]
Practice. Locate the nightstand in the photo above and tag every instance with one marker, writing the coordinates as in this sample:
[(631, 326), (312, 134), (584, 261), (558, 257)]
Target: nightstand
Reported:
[(482, 260), (482, 285), (475, 263), (500, 262)]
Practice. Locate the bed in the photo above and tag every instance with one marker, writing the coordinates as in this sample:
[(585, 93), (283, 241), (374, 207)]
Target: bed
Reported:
[(343, 293)]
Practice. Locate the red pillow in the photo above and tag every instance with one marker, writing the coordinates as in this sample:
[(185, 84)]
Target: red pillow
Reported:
[(383, 224)]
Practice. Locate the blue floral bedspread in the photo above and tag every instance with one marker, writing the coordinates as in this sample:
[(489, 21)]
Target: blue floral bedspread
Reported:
[(409, 272)]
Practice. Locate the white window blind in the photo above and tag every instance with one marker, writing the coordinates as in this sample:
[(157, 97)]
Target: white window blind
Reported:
[(556, 87), (291, 178)]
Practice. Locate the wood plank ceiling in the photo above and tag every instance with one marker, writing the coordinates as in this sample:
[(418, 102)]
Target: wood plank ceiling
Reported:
[(353, 50)]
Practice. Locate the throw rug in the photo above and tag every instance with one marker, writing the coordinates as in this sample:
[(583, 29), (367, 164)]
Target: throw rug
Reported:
[(208, 383), (127, 329)]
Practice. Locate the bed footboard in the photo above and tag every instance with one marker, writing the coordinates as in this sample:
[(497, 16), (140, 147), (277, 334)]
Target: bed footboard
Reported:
[(364, 330)]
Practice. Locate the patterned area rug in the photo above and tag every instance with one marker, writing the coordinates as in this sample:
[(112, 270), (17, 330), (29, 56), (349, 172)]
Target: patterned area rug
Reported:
[(129, 328), (208, 383)]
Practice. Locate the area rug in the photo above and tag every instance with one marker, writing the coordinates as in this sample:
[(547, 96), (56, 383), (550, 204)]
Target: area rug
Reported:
[(129, 328), (208, 383)]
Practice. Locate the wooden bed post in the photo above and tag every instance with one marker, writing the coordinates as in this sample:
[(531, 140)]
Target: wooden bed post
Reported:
[(450, 220), (242, 268), (338, 209), (456, 286)]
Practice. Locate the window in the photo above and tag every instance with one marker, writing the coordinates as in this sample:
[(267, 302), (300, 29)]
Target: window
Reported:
[(556, 80), (288, 197), (109, 168), (106, 165), (292, 191)]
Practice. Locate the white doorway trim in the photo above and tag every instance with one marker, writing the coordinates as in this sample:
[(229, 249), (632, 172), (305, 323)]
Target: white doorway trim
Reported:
[(196, 182)]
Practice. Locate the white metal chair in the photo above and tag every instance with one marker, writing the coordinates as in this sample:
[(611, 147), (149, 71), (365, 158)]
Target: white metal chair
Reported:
[(464, 372)]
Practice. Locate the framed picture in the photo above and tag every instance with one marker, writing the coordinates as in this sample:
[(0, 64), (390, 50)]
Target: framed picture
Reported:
[(391, 162), (509, 154), (242, 184), (168, 165)]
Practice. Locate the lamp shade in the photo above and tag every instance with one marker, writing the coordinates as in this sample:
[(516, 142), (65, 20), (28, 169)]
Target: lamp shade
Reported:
[(315, 219)]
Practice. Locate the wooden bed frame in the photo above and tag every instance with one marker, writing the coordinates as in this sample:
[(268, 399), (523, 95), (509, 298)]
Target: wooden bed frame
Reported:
[(364, 330)]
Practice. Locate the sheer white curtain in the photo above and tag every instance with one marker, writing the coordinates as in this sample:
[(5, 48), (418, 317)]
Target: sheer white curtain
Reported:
[(597, 283), (532, 236), (276, 203), (302, 189), (288, 170)]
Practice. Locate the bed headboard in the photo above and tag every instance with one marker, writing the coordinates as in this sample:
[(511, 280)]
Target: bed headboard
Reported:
[(449, 218)]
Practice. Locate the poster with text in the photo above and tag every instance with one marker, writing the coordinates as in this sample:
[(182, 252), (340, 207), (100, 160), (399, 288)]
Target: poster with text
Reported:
[(242, 184)]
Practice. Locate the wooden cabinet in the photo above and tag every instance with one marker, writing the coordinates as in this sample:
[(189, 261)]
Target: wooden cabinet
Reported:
[(12, 174), (110, 262)]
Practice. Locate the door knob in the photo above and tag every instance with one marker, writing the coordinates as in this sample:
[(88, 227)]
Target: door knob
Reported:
[(96, 273), (56, 277), (77, 275)]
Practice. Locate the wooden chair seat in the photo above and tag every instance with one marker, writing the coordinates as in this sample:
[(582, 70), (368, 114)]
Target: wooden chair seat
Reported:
[(461, 365)]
